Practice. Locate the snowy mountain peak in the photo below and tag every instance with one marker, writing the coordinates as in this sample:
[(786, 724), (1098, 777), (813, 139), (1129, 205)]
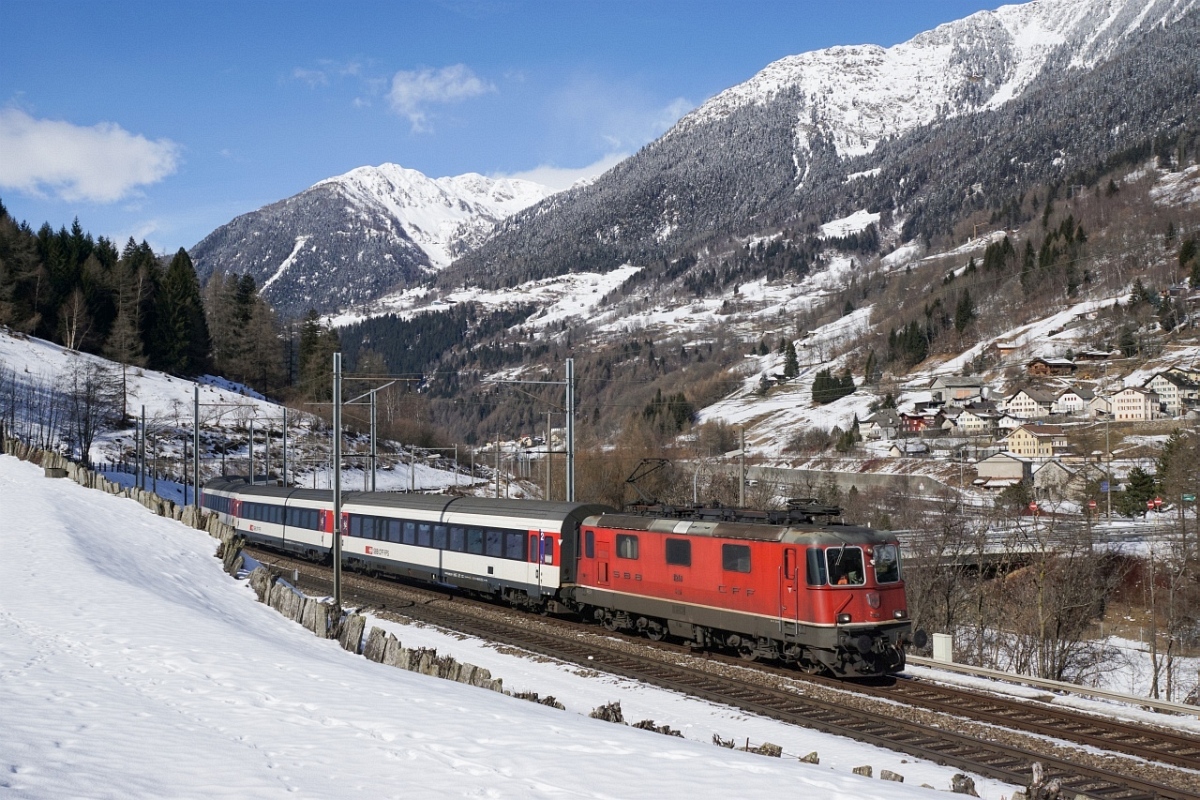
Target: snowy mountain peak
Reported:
[(443, 216), (857, 95), (349, 238)]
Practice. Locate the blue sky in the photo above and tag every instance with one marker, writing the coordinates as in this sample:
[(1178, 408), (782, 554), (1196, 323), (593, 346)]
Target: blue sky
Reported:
[(163, 120)]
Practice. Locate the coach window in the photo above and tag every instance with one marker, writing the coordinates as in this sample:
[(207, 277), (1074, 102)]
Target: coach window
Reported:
[(410, 532), (735, 557), (393, 534), (355, 525), (679, 552), (627, 546), (589, 544), (887, 563), (425, 535), (548, 550), (458, 539), (845, 566), (439, 537), (514, 545), (494, 543), (475, 541), (816, 566)]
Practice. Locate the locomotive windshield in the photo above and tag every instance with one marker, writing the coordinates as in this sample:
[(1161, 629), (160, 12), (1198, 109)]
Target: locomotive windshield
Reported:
[(887, 563), (846, 566)]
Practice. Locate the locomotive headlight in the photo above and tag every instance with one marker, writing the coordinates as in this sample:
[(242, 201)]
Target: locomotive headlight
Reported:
[(843, 619), (900, 613)]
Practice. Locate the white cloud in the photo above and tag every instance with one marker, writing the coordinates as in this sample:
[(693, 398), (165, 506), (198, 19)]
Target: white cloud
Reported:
[(102, 163), (412, 91), (313, 77), (560, 178)]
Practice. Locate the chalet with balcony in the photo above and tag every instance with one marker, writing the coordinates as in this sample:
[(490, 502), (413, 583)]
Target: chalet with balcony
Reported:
[(1048, 367)]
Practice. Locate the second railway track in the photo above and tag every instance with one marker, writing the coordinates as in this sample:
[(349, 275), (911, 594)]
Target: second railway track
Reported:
[(1141, 772)]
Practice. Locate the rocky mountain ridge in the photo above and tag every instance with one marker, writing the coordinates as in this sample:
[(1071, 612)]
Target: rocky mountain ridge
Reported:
[(351, 237)]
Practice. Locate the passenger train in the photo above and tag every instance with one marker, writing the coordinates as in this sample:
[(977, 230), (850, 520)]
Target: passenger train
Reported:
[(792, 585)]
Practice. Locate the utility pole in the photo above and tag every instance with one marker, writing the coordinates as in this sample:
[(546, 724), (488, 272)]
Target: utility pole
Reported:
[(374, 445), (337, 481), (285, 454), (252, 450), (497, 464), (142, 454), (570, 430), (196, 444), (1108, 455), (549, 460), (742, 471)]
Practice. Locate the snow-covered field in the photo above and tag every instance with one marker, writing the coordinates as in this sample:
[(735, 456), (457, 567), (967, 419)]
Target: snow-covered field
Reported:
[(224, 408), (131, 666)]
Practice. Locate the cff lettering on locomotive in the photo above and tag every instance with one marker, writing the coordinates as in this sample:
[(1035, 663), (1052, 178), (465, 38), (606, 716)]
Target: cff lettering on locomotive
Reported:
[(796, 585)]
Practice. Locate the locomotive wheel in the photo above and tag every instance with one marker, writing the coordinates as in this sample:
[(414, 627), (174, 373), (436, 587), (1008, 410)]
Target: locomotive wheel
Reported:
[(610, 623), (656, 632), (747, 653)]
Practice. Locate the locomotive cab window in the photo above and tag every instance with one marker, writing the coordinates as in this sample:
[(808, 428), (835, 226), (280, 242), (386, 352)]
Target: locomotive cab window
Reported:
[(845, 566), (679, 552), (886, 561), (735, 557), (589, 544), (815, 567), (627, 546)]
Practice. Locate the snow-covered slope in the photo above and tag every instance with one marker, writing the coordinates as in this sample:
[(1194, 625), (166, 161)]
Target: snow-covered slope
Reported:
[(131, 666), (860, 94), (349, 238), (443, 216)]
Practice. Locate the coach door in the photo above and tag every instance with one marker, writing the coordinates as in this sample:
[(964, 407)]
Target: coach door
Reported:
[(602, 548), (789, 587), (537, 554)]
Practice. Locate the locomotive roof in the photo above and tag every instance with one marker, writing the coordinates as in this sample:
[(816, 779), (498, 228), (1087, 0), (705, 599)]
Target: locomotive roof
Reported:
[(437, 503), (798, 533)]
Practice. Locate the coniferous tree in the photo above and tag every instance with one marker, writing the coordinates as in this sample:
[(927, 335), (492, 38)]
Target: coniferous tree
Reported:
[(182, 329), (869, 368), (791, 365), (964, 313)]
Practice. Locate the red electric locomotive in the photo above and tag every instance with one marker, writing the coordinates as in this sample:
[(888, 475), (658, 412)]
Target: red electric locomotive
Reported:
[(788, 585)]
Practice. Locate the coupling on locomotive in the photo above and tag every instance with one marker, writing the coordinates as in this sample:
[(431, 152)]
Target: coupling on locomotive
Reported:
[(797, 586)]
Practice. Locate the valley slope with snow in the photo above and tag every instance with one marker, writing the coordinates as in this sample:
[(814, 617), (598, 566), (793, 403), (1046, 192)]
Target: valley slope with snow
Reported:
[(132, 666)]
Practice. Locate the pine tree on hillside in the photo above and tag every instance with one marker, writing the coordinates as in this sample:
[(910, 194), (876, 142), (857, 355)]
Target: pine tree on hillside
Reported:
[(317, 346), (183, 340), (791, 364), (964, 312)]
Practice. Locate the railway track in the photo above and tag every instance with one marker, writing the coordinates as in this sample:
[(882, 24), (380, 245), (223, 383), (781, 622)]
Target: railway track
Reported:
[(786, 698)]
